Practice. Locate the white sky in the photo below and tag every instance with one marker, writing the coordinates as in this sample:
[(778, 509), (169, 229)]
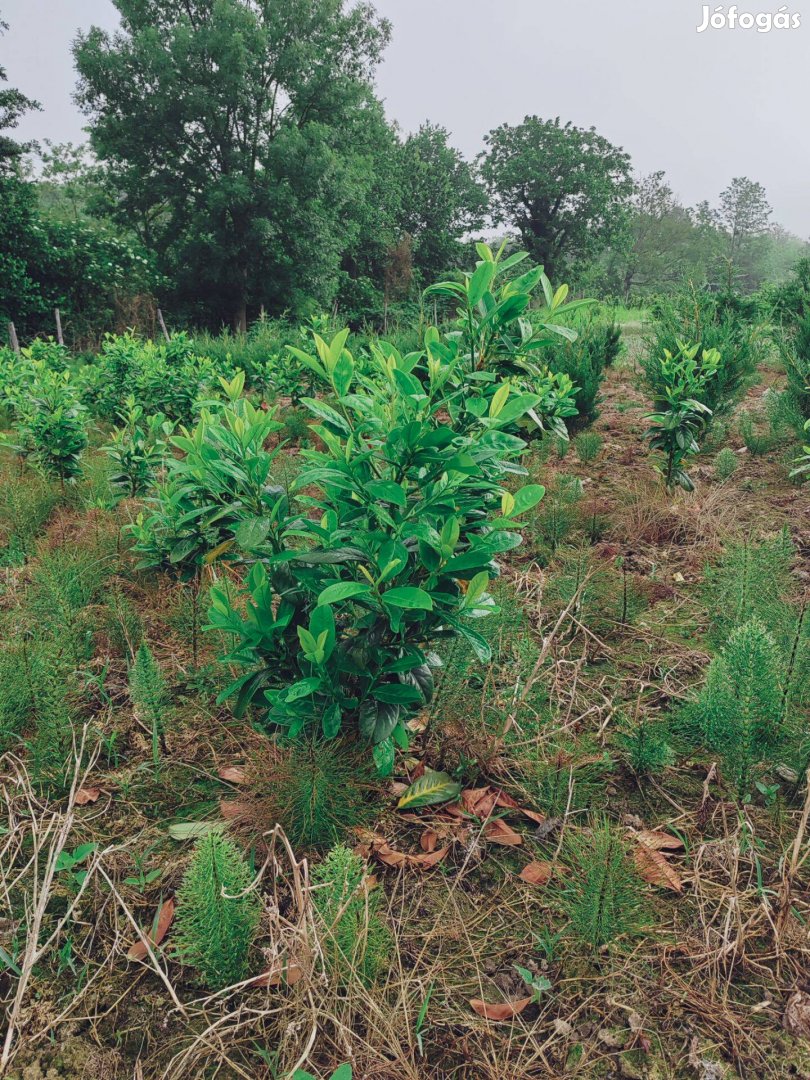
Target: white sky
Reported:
[(703, 107)]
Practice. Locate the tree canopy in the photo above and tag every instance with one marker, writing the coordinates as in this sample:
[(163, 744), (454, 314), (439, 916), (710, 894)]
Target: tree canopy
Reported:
[(565, 189)]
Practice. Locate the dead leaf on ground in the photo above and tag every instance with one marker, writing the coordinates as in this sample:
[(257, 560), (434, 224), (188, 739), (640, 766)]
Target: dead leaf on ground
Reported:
[(279, 975), (654, 868), (235, 774), (87, 795), (231, 808), (796, 1020), (658, 840), (498, 832), (504, 1010), (537, 872), (156, 934), (391, 857)]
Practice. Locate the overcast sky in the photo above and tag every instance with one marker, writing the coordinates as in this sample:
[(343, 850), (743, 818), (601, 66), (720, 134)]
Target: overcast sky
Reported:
[(702, 106)]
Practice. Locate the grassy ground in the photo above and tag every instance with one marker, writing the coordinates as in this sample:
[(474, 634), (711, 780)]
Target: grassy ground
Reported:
[(708, 953)]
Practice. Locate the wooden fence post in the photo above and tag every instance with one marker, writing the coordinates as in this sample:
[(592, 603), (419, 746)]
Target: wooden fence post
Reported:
[(59, 336), (163, 325), (12, 336)]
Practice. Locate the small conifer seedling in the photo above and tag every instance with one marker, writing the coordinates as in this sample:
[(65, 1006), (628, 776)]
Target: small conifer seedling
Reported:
[(216, 918)]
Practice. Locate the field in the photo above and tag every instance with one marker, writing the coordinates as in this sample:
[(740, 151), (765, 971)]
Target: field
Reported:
[(279, 796)]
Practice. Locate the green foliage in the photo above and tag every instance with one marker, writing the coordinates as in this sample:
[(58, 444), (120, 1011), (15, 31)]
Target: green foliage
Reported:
[(138, 448), (342, 1072), (751, 580), (644, 745), (217, 918), (50, 420), (793, 341), (802, 462), (757, 441), (318, 791), (149, 694), (168, 378), (492, 338), (725, 463), (606, 597), (565, 189), (218, 495), (281, 196), (679, 413), (603, 897), (564, 779), (741, 707), (396, 511), (355, 941), (588, 446), (558, 514), (715, 328), (584, 361), (26, 501)]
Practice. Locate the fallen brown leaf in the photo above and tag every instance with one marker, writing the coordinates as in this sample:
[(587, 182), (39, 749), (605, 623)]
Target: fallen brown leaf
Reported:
[(537, 872), (796, 1019), (231, 808), (279, 975), (429, 840), (391, 857), (498, 832), (233, 773), (87, 795), (658, 840), (156, 934), (655, 869), (504, 1010)]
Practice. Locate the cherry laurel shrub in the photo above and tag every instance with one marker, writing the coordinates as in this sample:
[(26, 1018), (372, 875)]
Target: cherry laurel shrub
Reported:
[(384, 547)]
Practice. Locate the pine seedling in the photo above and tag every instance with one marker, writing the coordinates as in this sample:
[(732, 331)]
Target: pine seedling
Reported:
[(217, 919), (316, 790), (354, 939), (604, 895), (149, 694), (725, 463), (588, 446), (751, 580), (740, 708), (557, 514), (644, 746)]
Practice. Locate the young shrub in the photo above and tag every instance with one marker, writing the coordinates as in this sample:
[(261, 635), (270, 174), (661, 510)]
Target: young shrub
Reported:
[(583, 360), (741, 706), (389, 548), (149, 694), (757, 441), (715, 326), (355, 941), (25, 503), (725, 463), (680, 415), (51, 423), (318, 791), (138, 448), (588, 446), (603, 895), (216, 920)]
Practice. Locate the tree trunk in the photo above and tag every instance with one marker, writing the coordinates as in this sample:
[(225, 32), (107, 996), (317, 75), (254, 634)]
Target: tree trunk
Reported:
[(240, 318)]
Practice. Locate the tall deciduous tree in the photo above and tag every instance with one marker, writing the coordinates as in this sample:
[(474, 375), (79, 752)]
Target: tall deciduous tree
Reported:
[(441, 199), (228, 127), (743, 215), (565, 189)]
